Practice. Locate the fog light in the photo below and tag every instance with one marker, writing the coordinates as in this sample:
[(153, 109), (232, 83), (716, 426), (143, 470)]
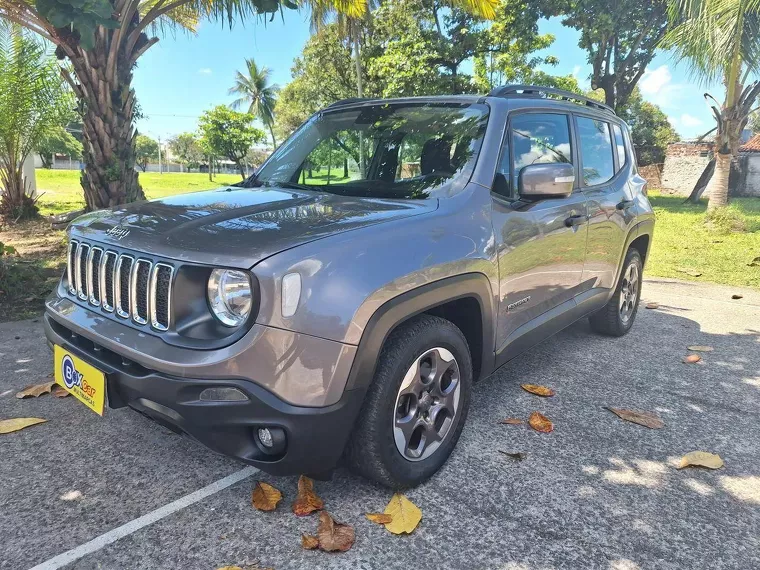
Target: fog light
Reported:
[(265, 437), (270, 440), (223, 394)]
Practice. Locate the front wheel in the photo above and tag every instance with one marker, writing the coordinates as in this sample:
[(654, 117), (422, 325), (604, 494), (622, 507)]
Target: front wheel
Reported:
[(416, 406), (617, 316)]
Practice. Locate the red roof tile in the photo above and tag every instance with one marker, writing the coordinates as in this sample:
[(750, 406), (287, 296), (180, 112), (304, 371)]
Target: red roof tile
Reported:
[(752, 145)]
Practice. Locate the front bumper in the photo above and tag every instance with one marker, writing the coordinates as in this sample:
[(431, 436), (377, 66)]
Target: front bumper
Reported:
[(315, 436)]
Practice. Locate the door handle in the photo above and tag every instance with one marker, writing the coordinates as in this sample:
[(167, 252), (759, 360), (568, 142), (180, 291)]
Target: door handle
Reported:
[(573, 221), (624, 205)]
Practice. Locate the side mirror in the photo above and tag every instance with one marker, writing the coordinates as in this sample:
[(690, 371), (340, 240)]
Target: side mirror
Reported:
[(553, 180)]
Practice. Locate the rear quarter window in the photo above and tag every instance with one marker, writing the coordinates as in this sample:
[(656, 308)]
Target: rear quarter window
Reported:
[(595, 144)]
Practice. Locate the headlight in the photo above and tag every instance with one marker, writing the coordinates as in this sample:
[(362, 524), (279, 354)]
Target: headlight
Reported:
[(230, 296)]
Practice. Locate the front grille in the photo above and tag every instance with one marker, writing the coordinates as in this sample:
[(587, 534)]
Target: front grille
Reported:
[(133, 288)]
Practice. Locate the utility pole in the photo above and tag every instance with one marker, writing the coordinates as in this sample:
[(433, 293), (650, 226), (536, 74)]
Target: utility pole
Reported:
[(160, 171)]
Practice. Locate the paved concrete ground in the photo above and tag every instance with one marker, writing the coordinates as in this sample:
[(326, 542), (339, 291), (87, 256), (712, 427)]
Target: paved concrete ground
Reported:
[(596, 493)]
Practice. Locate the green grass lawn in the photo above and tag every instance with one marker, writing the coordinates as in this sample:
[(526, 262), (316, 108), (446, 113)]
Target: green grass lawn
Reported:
[(62, 192), (682, 240)]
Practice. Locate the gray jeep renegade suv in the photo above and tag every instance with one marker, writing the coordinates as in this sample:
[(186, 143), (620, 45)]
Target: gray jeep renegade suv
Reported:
[(339, 304)]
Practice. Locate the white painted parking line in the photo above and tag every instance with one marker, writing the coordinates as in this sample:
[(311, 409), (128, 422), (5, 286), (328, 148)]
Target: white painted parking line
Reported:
[(133, 526)]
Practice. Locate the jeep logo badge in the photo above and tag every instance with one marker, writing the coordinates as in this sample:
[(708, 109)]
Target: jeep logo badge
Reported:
[(118, 232)]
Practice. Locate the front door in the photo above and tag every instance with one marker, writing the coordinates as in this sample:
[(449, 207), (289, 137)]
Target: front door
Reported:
[(606, 164), (541, 245)]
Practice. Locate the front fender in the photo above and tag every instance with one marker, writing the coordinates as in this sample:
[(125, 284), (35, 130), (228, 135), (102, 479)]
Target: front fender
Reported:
[(348, 277)]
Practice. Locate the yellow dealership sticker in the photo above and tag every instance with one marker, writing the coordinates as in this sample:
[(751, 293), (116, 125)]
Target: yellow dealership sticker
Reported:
[(85, 382)]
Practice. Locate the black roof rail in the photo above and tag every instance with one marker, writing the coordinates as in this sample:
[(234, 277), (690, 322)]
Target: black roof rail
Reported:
[(542, 92), (347, 101)]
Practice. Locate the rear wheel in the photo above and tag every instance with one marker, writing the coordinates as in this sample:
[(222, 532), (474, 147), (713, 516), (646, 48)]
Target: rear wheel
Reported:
[(416, 405), (617, 316)]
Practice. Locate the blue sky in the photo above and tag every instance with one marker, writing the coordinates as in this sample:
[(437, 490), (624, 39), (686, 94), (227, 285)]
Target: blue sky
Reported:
[(182, 75)]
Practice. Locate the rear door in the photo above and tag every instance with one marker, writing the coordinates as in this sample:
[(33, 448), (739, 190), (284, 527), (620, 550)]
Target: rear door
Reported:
[(541, 245), (606, 167)]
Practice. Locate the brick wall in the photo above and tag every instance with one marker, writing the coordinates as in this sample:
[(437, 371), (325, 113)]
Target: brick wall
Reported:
[(683, 166), (652, 173)]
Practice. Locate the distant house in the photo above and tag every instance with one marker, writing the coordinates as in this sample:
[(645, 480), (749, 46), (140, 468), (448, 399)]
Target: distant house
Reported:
[(686, 161)]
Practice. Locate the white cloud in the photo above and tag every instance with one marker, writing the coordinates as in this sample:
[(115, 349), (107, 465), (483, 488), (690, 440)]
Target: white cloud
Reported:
[(673, 121), (576, 70), (205, 71), (690, 121), (655, 80)]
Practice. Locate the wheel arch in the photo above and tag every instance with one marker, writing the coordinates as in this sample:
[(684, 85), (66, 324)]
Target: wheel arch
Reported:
[(454, 299)]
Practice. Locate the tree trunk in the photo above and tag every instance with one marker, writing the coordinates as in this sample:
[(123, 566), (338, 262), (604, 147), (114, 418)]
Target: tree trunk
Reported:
[(241, 168), (274, 140), (107, 103), (717, 189), (47, 161), (701, 184), (345, 167)]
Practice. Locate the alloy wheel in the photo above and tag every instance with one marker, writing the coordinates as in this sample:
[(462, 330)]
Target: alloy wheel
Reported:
[(629, 293), (427, 404)]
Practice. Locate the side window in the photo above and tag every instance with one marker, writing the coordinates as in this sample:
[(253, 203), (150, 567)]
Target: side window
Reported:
[(596, 151), (539, 138), (619, 145)]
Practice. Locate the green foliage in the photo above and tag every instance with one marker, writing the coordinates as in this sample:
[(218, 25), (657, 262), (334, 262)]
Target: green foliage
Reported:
[(650, 129), (6, 249), (619, 37), (230, 134), (725, 221), (58, 141), (255, 92), (79, 16), (418, 47), (146, 149), (754, 122), (33, 101), (713, 36), (186, 149)]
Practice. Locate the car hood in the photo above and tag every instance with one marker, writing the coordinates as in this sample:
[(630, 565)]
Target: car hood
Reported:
[(237, 227)]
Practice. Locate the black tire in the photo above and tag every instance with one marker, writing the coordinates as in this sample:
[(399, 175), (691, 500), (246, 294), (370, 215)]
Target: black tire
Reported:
[(611, 320), (372, 451)]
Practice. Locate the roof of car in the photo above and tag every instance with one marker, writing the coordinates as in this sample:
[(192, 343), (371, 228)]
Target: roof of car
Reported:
[(520, 92)]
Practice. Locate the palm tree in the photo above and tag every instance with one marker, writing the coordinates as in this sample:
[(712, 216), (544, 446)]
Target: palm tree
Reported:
[(103, 41), (33, 102), (255, 91), (719, 39)]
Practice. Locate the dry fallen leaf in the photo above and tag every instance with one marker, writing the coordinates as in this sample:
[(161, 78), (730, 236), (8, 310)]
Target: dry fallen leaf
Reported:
[(540, 422), (60, 392), (15, 424), (406, 515), (755, 262), (334, 536), (691, 359), (646, 419), (542, 391), (379, 518), (736, 296), (519, 455), (36, 390), (652, 305), (307, 500), (309, 542), (512, 421), (701, 459), (265, 497), (700, 348)]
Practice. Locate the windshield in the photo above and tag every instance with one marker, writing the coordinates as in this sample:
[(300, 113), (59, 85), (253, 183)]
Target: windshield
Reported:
[(387, 150)]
